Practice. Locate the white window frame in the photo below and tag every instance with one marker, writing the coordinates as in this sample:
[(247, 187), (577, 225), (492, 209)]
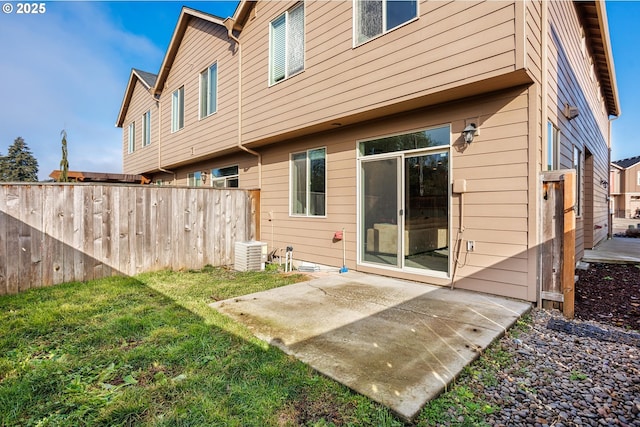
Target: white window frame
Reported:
[(225, 179), (307, 184), (177, 109), (194, 179), (553, 147), (638, 180), (206, 109), (287, 73), (132, 137), (146, 129), (578, 166), (356, 9)]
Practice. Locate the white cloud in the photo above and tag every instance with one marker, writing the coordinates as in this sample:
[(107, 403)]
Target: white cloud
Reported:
[(67, 69)]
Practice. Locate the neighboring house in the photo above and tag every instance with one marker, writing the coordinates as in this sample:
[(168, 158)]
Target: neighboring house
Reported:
[(350, 115), (625, 187)]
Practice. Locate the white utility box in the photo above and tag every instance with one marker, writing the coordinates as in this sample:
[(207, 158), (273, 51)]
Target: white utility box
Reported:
[(250, 256)]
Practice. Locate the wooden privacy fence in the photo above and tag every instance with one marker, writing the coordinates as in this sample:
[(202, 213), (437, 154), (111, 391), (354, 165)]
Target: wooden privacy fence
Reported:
[(55, 233)]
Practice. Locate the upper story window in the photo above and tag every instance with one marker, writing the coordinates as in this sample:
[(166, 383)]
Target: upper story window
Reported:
[(146, 129), (638, 182), (209, 91), (225, 177), (177, 109), (286, 46), (553, 144), (308, 183), (194, 179), (132, 137), (375, 17)]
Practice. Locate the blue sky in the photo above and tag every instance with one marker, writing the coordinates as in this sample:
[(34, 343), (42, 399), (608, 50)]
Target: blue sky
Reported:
[(68, 69)]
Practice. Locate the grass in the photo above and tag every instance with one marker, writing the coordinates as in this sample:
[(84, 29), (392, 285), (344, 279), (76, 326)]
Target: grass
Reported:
[(149, 351)]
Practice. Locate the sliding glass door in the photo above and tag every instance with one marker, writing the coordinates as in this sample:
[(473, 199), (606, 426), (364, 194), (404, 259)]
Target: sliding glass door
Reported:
[(404, 201)]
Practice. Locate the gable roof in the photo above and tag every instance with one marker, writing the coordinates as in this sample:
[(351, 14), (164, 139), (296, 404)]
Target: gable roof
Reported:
[(148, 80), (181, 27), (594, 18), (627, 163)]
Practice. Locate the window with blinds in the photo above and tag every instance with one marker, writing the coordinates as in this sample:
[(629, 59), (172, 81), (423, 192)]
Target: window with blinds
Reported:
[(286, 46), (375, 17), (177, 109)]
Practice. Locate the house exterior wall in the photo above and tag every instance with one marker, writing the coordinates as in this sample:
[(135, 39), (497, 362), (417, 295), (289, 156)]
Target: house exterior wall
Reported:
[(496, 64), (572, 81), (496, 213), (632, 190), (452, 44), (143, 158), (203, 44)]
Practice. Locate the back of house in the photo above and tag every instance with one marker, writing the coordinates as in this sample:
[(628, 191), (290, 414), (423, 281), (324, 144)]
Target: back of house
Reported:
[(421, 129)]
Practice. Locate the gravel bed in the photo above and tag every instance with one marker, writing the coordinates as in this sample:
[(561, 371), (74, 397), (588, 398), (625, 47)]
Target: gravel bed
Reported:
[(559, 378)]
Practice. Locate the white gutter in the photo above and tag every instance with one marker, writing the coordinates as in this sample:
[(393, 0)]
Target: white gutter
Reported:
[(228, 23)]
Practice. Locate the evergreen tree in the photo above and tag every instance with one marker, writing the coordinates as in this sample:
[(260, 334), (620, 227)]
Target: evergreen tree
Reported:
[(19, 163), (64, 163)]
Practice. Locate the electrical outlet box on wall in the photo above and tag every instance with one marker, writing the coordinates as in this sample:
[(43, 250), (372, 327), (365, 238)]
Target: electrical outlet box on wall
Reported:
[(460, 186)]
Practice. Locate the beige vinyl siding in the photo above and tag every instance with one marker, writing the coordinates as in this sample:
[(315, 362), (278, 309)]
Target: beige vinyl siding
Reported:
[(533, 38), (450, 44), (143, 158), (496, 204), (570, 81), (247, 170), (203, 44)]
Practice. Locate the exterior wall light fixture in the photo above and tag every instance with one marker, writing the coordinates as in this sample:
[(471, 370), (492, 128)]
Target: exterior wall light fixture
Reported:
[(469, 132)]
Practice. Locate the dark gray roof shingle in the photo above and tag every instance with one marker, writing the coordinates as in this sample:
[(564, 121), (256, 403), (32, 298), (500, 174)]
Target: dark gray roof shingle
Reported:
[(626, 163), (149, 78)]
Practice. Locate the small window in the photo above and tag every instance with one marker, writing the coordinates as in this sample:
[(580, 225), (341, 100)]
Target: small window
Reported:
[(225, 177), (177, 109), (308, 183), (132, 137), (195, 179), (208, 91), (146, 129), (375, 17), (577, 165), (553, 144), (286, 46), (638, 177)]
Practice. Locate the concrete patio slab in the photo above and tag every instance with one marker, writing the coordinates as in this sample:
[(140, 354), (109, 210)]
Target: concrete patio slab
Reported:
[(398, 342), (618, 250)]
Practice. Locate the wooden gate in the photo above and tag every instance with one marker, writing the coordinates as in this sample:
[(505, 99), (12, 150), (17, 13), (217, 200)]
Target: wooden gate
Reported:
[(558, 240)]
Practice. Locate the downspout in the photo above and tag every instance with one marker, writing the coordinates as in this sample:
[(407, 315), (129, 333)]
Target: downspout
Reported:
[(228, 23), (160, 168), (544, 37)]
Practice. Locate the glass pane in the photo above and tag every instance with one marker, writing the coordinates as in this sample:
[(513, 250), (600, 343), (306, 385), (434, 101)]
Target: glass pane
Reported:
[(278, 38), (228, 171), (204, 90), (212, 89), (317, 182), (426, 220), (295, 42), (411, 141), (368, 19), (399, 12), (299, 183), (232, 182), (379, 181)]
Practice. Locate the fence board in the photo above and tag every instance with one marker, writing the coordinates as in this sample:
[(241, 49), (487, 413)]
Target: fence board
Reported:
[(54, 233)]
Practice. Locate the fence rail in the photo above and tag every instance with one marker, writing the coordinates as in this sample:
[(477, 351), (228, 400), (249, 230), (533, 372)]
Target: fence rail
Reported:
[(55, 233)]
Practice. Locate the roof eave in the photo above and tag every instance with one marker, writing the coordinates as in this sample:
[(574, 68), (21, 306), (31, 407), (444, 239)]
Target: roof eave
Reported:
[(128, 93), (181, 26)]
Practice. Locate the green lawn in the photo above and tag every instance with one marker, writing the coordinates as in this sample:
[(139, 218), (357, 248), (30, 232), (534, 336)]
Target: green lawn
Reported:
[(148, 350)]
